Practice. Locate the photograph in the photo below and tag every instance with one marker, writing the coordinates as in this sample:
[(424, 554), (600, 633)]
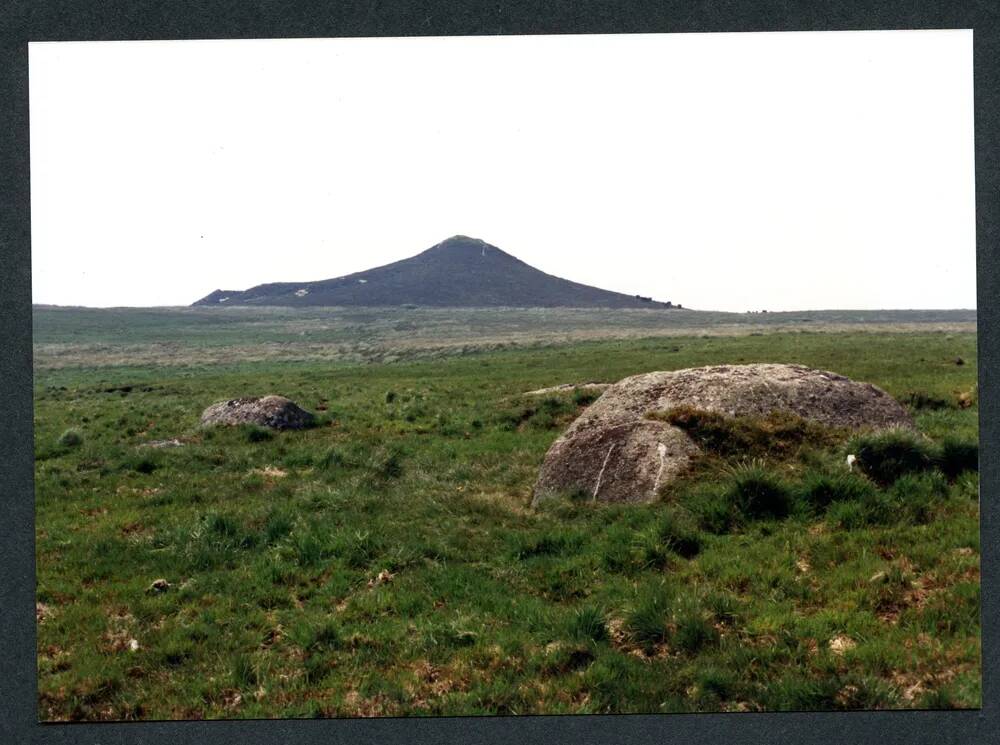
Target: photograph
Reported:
[(505, 375)]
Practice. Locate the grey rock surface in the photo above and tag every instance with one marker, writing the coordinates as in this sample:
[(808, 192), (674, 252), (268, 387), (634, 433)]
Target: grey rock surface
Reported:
[(613, 452), (276, 412)]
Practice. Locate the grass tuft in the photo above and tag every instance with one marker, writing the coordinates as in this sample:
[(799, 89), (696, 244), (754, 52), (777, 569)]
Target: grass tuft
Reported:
[(957, 457), (885, 456), (648, 620), (918, 495), (550, 543), (331, 460), (920, 401), (588, 624), (71, 438), (820, 490), (258, 434), (244, 672), (757, 492), (694, 628), (279, 524), (716, 683), (679, 533), (386, 463)]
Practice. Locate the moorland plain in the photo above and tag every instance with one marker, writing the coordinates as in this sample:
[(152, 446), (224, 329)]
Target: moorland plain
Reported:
[(74, 337), (388, 562)]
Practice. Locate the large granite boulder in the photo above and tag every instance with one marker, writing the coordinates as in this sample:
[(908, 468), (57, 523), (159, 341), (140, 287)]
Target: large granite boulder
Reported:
[(613, 452)]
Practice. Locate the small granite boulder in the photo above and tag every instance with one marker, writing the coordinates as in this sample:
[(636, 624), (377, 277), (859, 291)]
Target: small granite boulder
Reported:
[(276, 412)]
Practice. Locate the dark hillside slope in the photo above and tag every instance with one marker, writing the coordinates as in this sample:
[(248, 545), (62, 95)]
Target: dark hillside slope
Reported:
[(460, 272)]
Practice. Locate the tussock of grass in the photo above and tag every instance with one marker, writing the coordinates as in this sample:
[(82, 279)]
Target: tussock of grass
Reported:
[(253, 433), (547, 414), (310, 549), (386, 463), (143, 463), (245, 672), (71, 438), (885, 456), (712, 507), (550, 543), (648, 620), (331, 459), (279, 524), (588, 624), (920, 401), (318, 636), (794, 693), (857, 515), (919, 495), (360, 548), (957, 457), (757, 492), (678, 533), (694, 629), (662, 616), (715, 683), (724, 606), (820, 490), (658, 544)]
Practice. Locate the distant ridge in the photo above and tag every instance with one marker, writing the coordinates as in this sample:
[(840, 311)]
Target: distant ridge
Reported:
[(460, 272)]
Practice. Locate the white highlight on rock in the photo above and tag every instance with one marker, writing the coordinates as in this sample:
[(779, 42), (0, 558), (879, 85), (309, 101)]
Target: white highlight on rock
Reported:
[(223, 299), (600, 474), (363, 281), (301, 293), (662, 450)]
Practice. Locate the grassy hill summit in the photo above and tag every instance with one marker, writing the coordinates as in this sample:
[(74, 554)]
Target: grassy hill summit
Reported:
[(460, 272)]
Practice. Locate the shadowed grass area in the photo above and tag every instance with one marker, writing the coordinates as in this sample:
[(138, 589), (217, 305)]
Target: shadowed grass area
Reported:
[(779, 434), (386, 562), (885, 456)]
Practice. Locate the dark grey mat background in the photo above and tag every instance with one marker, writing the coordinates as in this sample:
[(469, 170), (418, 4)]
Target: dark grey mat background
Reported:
[(22, 21)]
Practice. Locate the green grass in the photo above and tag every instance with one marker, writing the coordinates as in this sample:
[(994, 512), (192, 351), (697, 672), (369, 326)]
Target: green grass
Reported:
[(886, 456), (387, 562)]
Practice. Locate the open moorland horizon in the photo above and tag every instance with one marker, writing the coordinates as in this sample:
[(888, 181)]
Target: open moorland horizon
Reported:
[(66, 337), (833, 309)]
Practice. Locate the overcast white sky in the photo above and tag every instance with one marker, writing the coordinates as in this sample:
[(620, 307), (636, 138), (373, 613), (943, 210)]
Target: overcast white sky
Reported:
[(722, 171)]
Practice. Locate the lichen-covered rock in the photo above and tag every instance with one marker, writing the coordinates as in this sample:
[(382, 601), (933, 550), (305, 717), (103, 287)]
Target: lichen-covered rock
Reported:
[(624, 462), (276, 412), (613, 452)]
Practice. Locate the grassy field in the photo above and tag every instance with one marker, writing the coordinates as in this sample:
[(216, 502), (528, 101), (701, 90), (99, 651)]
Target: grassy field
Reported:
[(387, 562)]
